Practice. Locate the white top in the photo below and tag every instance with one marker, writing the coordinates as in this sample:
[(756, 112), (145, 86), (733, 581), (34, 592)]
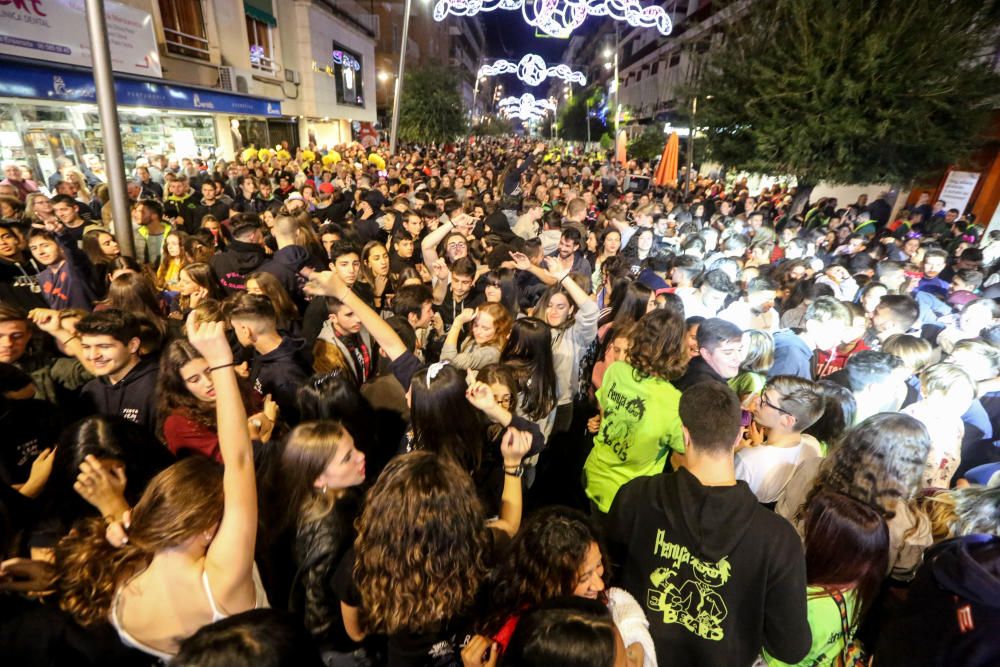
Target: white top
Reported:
[(260, 602), (767, 469)]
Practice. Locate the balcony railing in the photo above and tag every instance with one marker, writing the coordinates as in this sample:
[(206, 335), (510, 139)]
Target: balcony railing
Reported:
[(186, 44)]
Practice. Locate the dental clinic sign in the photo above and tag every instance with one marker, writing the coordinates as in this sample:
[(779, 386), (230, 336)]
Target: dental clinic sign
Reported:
[(56, 30)]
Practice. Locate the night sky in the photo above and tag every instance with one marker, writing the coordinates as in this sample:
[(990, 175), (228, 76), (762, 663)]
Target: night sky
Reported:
[(508, 36)]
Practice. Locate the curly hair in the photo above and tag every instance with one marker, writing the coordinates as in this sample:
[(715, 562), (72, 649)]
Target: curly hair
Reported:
[(879, 462), (180, 502), (659, 346), (542, 562), (421, 543)]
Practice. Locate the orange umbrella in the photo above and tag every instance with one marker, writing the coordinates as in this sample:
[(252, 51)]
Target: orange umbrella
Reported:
[(620, 147), (666, 171)]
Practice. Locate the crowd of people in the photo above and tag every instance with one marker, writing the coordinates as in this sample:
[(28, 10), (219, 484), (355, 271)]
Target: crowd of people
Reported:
[(485, 404)]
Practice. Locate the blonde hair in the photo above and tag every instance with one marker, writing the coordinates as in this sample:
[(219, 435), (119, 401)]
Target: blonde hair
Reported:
[(916, 353), (759, 356), (943, 378)]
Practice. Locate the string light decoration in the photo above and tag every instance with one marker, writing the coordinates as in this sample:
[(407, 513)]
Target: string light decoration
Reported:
[(525, 107), (532, 70), (559, 18)]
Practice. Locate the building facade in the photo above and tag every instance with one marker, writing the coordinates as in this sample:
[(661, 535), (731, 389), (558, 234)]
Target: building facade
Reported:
[(193, 78)]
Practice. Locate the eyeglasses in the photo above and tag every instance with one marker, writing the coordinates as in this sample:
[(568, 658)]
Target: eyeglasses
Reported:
[(764, 401), (503, 401)]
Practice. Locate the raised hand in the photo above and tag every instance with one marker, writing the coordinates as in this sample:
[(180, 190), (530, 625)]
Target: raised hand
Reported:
[(209, 338), (521, 261), (103, 488), (514, 447), (45, 319), (481, 397), (326, 283)]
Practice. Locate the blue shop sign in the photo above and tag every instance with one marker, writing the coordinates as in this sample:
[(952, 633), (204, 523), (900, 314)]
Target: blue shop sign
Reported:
[(66, 85)]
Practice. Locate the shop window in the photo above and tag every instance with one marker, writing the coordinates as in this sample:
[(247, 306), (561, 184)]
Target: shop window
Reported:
[(348, 75), (184, 28), (261, 46)]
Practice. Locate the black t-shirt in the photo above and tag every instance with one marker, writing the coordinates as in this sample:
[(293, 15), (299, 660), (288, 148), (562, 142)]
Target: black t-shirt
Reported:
[(28, 427)]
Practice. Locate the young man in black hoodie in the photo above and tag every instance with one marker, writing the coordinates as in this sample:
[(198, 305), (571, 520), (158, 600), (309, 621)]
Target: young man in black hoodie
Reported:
[(125, 386), (718, 575), (280, 365), (242, 256), (18, 272), (719, 354)]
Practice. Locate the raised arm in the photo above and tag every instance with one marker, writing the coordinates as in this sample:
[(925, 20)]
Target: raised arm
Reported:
[(430, 243), (229, 560), (328, 283), (513, 448)]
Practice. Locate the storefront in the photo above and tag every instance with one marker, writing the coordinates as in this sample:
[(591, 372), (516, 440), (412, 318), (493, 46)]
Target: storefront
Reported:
[(49, 111)]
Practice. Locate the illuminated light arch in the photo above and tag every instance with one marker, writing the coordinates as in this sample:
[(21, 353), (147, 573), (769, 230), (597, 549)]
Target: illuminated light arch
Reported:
[(525, 107), (532, 70), (559, 18)]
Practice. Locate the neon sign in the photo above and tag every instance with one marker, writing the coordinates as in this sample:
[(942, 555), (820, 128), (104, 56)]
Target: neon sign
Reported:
[(525, 107), (532, 70), (346, 60)]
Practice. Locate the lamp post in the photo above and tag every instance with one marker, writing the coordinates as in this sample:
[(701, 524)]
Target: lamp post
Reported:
[(107, 106), (399, 79)]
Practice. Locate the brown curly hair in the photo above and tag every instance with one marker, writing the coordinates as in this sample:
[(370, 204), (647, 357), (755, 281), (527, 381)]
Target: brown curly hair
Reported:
[(541, 563), (659, 347), (180, 502), (421, 545)]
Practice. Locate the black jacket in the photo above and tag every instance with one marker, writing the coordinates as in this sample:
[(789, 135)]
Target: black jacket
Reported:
[(285, 265), (234, 265), (280, 373), (718, 575), (218, 209), (952, 612), (698, 371), (132, 399)]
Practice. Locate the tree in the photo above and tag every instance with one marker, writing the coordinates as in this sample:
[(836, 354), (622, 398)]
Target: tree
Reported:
[(431, 107), (649, 144), (849, 91), (574, 116)]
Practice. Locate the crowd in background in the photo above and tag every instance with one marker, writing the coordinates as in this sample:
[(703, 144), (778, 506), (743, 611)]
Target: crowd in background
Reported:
[(491, 403)]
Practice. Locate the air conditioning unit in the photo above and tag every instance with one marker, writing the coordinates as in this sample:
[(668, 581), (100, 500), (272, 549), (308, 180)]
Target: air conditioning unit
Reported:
[(293, 76), (236, 80)]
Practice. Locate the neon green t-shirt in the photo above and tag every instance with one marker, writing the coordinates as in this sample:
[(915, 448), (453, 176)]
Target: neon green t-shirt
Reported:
[(640, 427), (827, 628)]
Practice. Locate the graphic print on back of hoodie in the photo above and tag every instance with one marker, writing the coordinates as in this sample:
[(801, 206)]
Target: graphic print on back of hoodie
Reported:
[(688, 590)]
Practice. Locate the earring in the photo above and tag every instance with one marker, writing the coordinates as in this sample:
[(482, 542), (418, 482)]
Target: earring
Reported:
[(323, 490)]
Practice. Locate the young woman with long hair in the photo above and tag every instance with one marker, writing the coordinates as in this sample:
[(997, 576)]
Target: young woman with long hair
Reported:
[(840, 590), (188, 560), (134, 293), (173, 260), (879, 462), (196, 283), (500, 286), (186, 408), (375, 271), (640, 425), (557, 553), (422, 551), (630, 300), (528, 353), (609, 244), (491, 324), (266, 284), (318, 476)]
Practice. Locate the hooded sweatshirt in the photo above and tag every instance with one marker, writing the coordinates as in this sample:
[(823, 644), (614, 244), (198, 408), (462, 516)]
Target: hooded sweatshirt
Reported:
[(131, 399), (719, 576), (234, 265), (280, 373), (792, 356), (952, 612)]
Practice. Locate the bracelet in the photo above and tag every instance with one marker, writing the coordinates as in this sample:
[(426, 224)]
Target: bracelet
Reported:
[(73, 337), (216, 368), (517, 472)]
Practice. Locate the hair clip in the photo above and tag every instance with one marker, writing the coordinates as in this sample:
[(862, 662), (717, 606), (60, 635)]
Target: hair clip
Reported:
[(433, 370), (914, 235)]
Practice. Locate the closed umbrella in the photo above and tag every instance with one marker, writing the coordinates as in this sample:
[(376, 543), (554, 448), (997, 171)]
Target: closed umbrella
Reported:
[(666, 171)]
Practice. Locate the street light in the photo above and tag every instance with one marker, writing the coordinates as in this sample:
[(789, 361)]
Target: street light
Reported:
[(383, 76)]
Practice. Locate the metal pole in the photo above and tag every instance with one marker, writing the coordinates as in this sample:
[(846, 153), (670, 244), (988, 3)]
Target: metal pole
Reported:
[(587, 102), (618, 106), (399, 79), (104, 82), (690, 150)]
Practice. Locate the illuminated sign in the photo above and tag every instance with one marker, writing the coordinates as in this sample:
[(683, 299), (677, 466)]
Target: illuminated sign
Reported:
[(532, 70)]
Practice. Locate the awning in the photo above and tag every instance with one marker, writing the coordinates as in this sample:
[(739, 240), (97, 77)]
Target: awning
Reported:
[(260, 10), (64, 84)]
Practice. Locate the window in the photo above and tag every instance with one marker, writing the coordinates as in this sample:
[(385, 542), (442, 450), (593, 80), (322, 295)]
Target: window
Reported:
[(674, 60), (184, 28), (655, 68), (348, 76), (261, 49)]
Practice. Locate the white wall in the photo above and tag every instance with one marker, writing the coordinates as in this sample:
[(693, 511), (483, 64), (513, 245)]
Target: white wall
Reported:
[(323, 30)]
